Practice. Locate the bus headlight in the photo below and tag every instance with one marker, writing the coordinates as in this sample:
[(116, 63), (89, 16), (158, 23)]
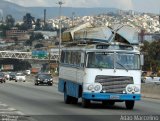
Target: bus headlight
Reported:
[(136, 89), (132, 89), (129, 89), (97, 88), (90, 87)]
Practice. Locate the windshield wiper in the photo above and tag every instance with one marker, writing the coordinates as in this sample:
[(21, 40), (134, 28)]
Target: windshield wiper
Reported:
[(122, 66), (99, 67)]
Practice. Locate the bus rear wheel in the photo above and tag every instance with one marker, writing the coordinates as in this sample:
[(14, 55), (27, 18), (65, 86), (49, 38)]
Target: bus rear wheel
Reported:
[(74, 100), (129, 104), (86, 103), (67, 98)]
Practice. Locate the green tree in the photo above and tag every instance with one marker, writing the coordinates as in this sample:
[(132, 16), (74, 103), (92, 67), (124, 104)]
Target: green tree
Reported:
[(38, 24), (39, 46), (10, 21), (27, 21), (38, 36), (4, 28), (152, 55)]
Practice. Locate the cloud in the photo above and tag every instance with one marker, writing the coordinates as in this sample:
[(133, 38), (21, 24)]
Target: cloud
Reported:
[(126, 4), (28, 3), (139, 5), (1, 12), (147, 5), (76, 3)]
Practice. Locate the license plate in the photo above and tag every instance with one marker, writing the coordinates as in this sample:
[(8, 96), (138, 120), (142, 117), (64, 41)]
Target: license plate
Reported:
[(114, 97)]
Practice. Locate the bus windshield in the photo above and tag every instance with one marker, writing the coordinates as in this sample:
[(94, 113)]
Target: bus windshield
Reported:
[(110, 60), (127, 61), (100, 60)]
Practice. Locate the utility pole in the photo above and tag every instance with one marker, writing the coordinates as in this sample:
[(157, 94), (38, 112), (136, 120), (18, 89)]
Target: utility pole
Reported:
[(49, 60), (44, 18), (159, 21), (73, 14), (60, 27)]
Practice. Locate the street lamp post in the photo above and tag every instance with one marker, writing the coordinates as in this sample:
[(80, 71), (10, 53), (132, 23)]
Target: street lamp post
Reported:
[(60, 27)]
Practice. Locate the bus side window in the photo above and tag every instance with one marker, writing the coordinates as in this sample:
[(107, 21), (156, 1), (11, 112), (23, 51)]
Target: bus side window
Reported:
[(73, 58), (62, 57), (67, 58), (78, 58)]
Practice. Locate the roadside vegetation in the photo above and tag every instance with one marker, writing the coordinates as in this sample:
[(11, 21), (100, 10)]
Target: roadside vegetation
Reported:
[(151, 52)]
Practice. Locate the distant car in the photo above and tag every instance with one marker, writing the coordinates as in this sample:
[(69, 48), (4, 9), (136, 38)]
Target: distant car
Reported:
[(44, 79), (152, 80), (2, 77), (20, 77), (6, 74), (12, 76), (147, 79), (28, 72)]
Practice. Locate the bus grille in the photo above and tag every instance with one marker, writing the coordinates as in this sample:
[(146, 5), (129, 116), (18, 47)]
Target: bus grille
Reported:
[(113, 84)]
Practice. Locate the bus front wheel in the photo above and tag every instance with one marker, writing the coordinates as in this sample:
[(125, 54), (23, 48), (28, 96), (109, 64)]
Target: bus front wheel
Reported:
[(85, 103), (129, 104), (67, 98)]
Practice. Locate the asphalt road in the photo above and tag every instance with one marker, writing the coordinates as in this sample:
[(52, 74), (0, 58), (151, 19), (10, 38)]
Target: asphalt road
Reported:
[(43, 103)]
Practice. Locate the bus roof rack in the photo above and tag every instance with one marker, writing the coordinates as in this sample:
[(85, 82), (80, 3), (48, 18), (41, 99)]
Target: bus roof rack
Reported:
[(90, 35)]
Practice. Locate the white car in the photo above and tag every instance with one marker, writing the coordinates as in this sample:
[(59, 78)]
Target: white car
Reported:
[(20, 77), (7, 75), (28, 72), (152, 80)]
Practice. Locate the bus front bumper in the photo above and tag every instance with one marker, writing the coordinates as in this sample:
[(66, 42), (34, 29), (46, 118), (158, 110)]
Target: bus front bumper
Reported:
[(110, 96)]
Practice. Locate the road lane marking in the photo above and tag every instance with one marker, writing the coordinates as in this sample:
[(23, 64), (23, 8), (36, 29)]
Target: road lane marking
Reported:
[(5, 109), (3, 105)]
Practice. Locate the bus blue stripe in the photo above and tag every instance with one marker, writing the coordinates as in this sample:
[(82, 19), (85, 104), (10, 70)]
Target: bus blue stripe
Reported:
[(107, 96), (72, 87)]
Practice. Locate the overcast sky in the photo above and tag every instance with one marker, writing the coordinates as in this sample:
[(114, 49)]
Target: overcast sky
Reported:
[(138, 5)]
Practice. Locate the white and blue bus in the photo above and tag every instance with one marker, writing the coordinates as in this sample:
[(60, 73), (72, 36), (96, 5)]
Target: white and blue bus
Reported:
[(101, 72)]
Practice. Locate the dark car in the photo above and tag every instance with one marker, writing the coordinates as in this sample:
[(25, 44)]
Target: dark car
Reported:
[(2, 77), (44, 79), (12, 76)]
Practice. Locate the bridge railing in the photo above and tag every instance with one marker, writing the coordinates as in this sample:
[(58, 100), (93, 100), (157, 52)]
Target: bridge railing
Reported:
[(28, 55)]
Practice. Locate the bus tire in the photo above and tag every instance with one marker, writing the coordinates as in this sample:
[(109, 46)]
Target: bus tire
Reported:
[(85, 103), (67, 98), (74, 100), (36, 84), (129, 104)]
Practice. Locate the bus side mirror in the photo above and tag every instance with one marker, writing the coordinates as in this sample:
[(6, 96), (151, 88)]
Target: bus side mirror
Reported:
[(142, 59)]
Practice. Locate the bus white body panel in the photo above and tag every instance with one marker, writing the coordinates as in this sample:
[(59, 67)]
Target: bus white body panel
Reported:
[(83, 76)]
